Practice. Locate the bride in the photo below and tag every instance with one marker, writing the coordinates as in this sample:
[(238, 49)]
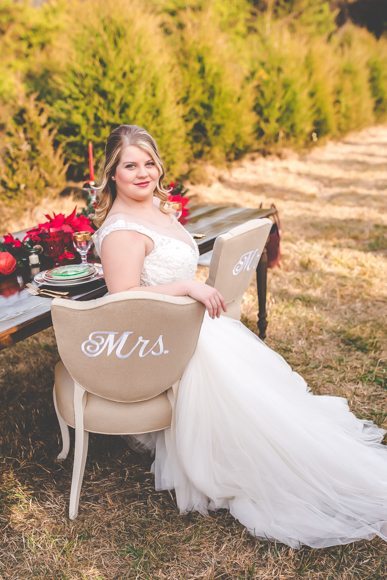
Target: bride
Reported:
[(247, 433)]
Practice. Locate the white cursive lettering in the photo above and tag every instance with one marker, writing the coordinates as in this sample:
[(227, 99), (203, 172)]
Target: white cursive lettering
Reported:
[(246, 262), (107, 340)]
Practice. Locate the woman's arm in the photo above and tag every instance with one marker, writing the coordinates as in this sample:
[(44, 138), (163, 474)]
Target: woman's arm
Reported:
[(123, 254)]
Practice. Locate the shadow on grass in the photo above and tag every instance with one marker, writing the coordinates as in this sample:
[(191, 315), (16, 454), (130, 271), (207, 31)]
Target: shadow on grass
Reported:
[(357, 234), (350, 183), (352, 164), (267, 189)]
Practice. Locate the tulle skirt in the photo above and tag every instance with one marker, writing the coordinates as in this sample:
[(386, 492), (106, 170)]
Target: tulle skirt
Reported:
[(247, 435)]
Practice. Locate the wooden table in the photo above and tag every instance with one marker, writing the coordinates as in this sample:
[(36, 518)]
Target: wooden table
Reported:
[(22, 315)]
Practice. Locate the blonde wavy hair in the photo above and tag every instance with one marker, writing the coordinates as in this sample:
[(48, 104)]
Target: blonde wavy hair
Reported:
[(118, 139)]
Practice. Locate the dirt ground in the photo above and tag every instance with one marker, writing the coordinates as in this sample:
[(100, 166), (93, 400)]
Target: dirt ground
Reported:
[(327, 311)]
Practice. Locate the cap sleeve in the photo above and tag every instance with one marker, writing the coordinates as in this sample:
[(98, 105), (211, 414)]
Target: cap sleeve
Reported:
[(119, 225)]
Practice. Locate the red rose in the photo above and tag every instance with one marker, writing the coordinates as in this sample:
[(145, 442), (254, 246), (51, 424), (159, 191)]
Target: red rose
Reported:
[(9, 239), (82, 224), (55, 222), (7, 263), (33, 235)]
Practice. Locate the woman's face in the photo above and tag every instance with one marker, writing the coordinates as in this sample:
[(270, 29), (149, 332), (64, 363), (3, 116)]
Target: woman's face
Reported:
[(136, 174)]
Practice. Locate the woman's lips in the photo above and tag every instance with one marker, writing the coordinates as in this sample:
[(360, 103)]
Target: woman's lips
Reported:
[(142, 184)]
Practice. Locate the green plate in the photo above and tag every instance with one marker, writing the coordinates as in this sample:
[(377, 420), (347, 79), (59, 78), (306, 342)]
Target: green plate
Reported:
[(70, 272)]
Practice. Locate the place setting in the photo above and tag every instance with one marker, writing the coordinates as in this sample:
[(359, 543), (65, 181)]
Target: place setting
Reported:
[(59, 281)]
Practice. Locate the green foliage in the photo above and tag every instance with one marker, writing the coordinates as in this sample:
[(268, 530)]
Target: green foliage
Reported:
[(282, 103), (209, 79), (378, 83), (317, 17), (351, 109), (321, 66), (9, 87), (31, 167), (216, 100), (353, 102), (207, 38), (313, 16), (25, 34), (113, 67)]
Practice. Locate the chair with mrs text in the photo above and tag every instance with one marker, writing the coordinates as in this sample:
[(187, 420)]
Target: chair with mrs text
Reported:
[(122, 357)]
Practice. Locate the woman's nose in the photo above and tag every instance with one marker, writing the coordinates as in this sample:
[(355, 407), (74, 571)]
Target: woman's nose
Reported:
[(142, 171)]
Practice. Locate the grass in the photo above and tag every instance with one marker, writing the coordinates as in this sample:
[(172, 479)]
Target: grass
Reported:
[(325, 316)]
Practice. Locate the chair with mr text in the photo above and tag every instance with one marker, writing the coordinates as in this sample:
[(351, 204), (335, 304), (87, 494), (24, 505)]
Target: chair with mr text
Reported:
[(235, 259)]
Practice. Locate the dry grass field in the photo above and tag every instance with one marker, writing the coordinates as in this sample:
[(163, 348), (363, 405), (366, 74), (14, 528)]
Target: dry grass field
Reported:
[(326, 316)]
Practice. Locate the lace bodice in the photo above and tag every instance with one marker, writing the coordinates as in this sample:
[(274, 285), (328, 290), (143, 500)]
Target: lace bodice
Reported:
[(171, 259)]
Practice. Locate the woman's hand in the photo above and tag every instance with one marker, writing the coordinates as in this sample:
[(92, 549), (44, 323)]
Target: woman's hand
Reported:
[(207, 295)]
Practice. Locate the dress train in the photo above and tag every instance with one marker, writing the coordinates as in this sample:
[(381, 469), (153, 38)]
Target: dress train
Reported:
[(249, 436)]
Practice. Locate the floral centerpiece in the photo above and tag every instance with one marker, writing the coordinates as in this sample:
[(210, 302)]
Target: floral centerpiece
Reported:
[(52, 239), (55, 235), (177, 195)]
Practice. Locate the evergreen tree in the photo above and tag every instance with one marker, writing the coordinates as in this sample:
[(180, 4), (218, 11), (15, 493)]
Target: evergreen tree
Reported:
[(31, 167)]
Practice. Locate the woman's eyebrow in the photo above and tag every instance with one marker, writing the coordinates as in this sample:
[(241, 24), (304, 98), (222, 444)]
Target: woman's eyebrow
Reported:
[(125, 162)]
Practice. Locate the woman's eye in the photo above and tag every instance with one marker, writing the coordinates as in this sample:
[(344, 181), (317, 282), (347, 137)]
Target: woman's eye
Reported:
[(129, 166), (150, 164)]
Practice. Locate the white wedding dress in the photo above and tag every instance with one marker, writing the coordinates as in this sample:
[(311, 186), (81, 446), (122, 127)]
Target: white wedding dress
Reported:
[(249, 436)]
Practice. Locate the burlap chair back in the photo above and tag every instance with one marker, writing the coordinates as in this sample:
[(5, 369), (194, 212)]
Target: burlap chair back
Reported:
[(234, 261), (127, 347)]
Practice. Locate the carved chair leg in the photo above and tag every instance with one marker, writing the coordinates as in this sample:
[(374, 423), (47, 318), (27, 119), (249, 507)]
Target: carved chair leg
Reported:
[(64, 429), (80, 453), (261, 290)]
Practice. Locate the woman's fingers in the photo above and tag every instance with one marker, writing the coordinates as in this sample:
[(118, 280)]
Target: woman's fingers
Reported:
[(210, 309), (215, 307), (218, 304), (223, 303)]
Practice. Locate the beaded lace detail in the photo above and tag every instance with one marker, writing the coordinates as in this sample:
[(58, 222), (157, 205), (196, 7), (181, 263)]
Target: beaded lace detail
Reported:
[(170, 260)]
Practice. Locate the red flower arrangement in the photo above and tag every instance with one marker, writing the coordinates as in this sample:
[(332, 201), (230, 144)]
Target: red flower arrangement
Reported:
[(15, 248), (59, 222), (53, 238), (55, 235), (177, 194)]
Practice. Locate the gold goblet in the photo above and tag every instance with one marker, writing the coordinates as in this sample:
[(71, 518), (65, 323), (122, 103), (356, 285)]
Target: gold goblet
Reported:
[(177, 206), (82, 243)]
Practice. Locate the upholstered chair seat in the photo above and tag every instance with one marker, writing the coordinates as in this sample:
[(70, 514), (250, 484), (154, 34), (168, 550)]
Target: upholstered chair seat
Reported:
[(105, 416), (122, 357)]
